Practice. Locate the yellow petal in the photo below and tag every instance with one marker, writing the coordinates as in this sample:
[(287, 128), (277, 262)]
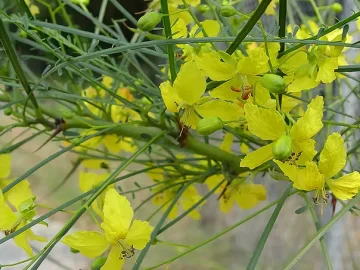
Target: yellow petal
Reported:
[(227, 142), (214, 68), (189, 117), (211, 27), (22, 242), (7, 217), (333, 155), (190, 83), (225, 110), (227, 201), (225, 92), (213, 180), (117, 215), (139, 234), (265, 123), (298, 83), (254, 64), (90, 244), (306, 150), (308, 178), (19, 193), (179, 29), (94, 163), (327, 66), (112, 143), (346, 186), (249, 195), (311, 122), (291, 63), (168, 95), (114, 259), (257, 157), (5, 166), (89, 180)]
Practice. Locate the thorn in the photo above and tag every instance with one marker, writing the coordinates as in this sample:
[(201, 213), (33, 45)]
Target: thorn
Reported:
[(59, 126)]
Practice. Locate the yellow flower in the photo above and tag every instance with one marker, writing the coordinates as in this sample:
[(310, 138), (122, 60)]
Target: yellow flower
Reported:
[(314, 177), (238, 74), (186, 94), (246, 195), (120, 233), (34, 9), (21, 199), (269, 125)]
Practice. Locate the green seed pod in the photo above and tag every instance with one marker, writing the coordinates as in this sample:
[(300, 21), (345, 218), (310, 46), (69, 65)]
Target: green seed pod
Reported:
[(227, 11), (98, 263), (274, 83), (149, 21), (282, 148), (203, 8), (336, 7), (209, 125), (73, 250), (8, 111)]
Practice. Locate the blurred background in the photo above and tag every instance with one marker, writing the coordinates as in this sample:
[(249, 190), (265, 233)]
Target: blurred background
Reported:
[(231, 251)]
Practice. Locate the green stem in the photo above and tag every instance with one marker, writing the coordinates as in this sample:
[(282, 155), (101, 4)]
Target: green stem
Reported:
[(168, 35), (27, 10), (309, 204), (248, 26), (321, 233), (317, 12), (260, 246), (10, 51), (282, 22)]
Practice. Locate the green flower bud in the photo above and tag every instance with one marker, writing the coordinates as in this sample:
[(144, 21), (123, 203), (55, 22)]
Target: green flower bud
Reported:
[(336, 7), (149, 21), (73, 250), (282, 148), (274, 83), (8, 111), (227, 11), (98, 263), (68, 115), (203, 8), (209, 125), (76, 141)]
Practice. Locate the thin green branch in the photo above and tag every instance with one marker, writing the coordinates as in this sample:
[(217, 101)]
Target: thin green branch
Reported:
[(282, 22), (39, 258), (261, 244), (325, 32), (168, 35), (237, 224), (143, 253), (11, 53), (26, 8), (309, 204), (321, 233), (248, 26)]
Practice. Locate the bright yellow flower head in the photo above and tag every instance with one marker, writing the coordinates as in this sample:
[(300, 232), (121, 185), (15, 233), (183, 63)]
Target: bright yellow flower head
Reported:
[(187, 94), (314, 176), (122, 235), (269, 125)]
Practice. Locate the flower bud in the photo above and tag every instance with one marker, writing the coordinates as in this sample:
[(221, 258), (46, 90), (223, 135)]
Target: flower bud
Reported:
[(76, 141), (209, 125), (98, 263), (73, 250), (336, 7), (227, 11), (8, 111), (274, 83), (68, 114), (203, 8), (282, 148), (149, 21)]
